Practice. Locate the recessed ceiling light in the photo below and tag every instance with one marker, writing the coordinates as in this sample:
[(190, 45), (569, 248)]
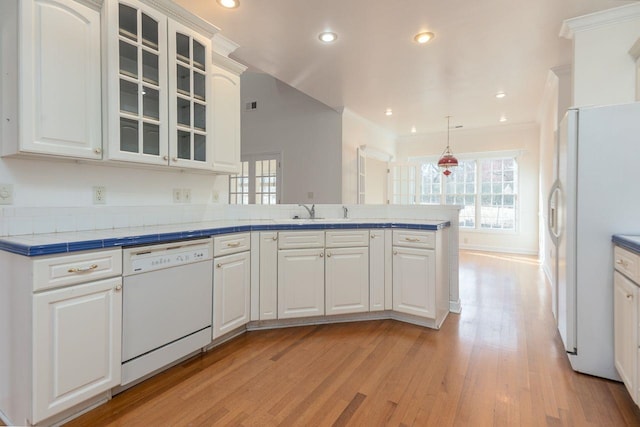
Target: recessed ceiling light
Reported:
[(388, 112), (413, 129), (503, 118), (229, 4), (500, 95), (423, 37), (328, 37)]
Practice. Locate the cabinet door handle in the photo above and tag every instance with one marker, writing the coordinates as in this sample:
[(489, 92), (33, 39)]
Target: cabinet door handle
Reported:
[(328, 254), (118, 288), (629, 296), (82, 269), (373, 236), (233, 244), (98, 150), (622, 262), (174, 159), (321, 255), (218, 265), (395, 252), (165, 157), (411, 239), (275, 237)]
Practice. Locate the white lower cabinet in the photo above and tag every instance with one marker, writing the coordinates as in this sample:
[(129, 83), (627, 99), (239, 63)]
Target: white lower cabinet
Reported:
[(347, 280), (414, 281), (76, 345), (626, 319), (268, 276), (231, 287), (231, 283), (300, 283), (376, 270)]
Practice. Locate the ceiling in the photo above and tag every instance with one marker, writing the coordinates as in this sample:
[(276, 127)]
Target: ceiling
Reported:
[(480, 48)]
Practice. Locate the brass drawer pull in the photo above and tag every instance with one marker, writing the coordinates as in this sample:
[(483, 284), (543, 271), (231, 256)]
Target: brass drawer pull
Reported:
[(233, 244), (411, 239), (82, 269)]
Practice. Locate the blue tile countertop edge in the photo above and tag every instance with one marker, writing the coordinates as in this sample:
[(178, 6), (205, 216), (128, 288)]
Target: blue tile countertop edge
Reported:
[(631, 243), (30, 246)]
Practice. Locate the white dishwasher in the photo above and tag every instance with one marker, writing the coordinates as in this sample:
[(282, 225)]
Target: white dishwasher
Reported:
[(166, 304)]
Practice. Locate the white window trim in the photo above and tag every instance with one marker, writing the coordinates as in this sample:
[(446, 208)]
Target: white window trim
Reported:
[(252, 159)]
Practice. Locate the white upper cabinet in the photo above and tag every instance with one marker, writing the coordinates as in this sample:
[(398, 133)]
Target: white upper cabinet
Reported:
[(51, 81), (159, 87), (226, 116), (137, 86)]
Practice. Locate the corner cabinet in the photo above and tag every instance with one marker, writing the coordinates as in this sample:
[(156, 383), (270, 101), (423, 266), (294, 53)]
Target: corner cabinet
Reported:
[(51, 78), (159, 90), (626, 307)]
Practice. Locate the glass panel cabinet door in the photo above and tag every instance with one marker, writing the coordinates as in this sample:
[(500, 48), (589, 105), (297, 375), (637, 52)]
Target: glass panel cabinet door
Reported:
[(137, 83), (189, 99)]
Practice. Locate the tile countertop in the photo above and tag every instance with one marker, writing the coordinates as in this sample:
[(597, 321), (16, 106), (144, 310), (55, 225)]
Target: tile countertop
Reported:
[(56, 243), (628, 242)]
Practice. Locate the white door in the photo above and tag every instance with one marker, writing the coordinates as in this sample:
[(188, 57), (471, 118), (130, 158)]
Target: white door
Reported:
[(376, 270), (190, 117), (625, 327), (347, 280), (268, 275), (300, 283), (414, 281), (76, 345), (60, 78), (231, 288), (226, 120)]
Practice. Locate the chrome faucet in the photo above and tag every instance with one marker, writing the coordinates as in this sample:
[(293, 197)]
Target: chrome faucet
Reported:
[(345, 211), (312, 211)]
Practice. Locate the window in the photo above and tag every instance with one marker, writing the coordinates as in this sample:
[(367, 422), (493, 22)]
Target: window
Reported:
[(259, 181), (498, 198), (239, 186), (486, 187)]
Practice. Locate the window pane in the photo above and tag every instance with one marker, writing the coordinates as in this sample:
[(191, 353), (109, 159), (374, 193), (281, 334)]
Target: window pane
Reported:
[(183, 80), (150, 67), (184, 145), (128, 135), (184, 112), (199, 147), (128, 97), (149, 32), (199, 116), (151, 139), (198, 55), (150, 103), (199, 86), (182, 47), (128, 22), (128, 59)]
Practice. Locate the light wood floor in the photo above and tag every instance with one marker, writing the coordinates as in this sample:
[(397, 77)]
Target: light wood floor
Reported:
[(500, 362)]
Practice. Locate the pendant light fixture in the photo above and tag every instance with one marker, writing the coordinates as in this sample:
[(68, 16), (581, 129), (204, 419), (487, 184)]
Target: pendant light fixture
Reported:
[(447, 160)]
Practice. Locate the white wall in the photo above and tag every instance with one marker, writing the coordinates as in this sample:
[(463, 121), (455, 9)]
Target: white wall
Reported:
[(604, 71), (525, 139), (556, 100), (307, 133), (57, 195), (357, 131)]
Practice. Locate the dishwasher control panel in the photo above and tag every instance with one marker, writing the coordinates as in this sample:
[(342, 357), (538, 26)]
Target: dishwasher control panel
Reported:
[(156, 257)]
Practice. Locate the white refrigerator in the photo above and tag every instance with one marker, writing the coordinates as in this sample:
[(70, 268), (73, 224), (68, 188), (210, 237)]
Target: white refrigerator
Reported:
[(596, 194)]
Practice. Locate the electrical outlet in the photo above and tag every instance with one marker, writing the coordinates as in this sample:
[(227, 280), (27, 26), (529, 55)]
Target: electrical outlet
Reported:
[(6, 194), (99, 195), (186, 195), (177, 195)]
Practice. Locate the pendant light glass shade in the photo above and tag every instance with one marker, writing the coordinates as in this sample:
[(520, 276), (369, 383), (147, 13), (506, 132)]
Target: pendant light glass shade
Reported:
[(447, 160)]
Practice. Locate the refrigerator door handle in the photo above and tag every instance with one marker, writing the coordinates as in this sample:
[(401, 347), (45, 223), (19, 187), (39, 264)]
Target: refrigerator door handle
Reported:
[(552, 213)]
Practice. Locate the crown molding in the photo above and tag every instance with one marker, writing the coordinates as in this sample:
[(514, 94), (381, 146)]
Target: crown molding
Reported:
[(599, 19), (223, 46), (228, 64)]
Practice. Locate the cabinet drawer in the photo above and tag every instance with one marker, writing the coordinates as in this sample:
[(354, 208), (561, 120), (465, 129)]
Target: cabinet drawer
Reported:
[(347, 238), (56, 271), (627, 263), (300, 239), (231, 244), (414, 239)]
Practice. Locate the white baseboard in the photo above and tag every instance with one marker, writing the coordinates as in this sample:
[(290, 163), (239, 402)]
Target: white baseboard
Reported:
[(518, 251), (455, 306)]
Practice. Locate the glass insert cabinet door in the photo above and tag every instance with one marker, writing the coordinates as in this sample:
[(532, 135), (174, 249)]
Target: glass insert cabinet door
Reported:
[(189, 98), (138, 84)]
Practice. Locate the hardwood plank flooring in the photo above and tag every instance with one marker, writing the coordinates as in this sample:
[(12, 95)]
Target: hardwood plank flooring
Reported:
[(500, 362)]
